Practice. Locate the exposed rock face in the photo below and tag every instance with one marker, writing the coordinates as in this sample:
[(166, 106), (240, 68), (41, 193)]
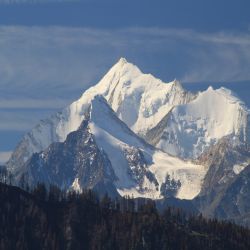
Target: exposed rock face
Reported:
[(138, 169), (228, 170), (235, 203), (76, 163)]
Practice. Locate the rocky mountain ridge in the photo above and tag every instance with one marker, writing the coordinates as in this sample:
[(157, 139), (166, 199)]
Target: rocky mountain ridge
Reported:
[(104, 150)]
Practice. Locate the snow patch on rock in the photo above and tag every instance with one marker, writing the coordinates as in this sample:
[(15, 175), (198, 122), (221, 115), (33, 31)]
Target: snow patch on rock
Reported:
[(240, 167)]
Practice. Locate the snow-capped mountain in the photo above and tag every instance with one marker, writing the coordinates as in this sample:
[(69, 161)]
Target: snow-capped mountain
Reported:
[(104, 154), (124, 107), (190, 129), (140, 100)]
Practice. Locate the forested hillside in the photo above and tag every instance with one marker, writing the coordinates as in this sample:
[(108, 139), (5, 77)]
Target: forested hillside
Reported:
[(42, 219)]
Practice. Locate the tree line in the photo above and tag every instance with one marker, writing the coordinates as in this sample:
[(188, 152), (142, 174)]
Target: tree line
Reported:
[(49, 218)]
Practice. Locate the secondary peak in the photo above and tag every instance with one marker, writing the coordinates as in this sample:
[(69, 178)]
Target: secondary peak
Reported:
[(122, 60)]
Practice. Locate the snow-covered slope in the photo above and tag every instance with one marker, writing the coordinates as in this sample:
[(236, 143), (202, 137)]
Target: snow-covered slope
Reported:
[(105, 150), (53, 129), (167, 116), (191, 128), (140, 100), (140, 169)]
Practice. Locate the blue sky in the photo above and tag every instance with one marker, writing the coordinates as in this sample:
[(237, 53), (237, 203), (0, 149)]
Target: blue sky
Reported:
[(51, 51)]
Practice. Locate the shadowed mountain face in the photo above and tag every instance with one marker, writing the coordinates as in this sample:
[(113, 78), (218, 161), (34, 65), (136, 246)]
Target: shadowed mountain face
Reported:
[(74, 164), (225, 189), (235, 203)]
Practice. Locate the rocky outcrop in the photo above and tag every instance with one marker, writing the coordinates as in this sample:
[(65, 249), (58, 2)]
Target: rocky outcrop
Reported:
[(76, 163)]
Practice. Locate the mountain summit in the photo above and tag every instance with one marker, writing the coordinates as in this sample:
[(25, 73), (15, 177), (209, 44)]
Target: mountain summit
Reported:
[(134, 134), (140, 100)]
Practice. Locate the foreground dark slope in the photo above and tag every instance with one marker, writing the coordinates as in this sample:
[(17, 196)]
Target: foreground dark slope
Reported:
[(41, 220)]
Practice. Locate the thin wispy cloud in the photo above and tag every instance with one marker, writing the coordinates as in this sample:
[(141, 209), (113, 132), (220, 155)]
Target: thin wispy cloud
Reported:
[(48, 67), (37, 55), (20, 103), (21, 120)]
